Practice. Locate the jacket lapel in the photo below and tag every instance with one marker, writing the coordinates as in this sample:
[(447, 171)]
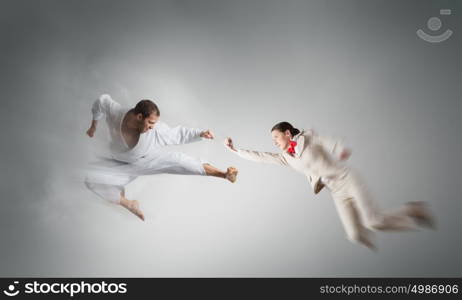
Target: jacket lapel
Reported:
[(300, 144)]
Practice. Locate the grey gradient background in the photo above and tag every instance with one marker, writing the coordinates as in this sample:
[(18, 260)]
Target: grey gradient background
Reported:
[(352, 69)]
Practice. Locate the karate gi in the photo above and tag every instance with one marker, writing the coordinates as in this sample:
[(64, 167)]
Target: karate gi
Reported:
[(108, 177), (316, 157)]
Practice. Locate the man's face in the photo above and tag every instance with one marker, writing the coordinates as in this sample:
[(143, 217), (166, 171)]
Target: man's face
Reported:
[(281, 139), (147, 123)]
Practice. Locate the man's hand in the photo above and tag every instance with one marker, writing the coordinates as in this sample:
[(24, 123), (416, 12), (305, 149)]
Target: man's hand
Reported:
[(91, 131), (346, 153), (229, 144), (207, 134)]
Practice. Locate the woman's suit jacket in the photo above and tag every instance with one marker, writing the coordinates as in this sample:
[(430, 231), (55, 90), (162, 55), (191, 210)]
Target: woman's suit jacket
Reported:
[(315, 156)]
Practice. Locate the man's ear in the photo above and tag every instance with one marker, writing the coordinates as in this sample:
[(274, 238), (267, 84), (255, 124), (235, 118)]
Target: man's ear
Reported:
[(139, 117)]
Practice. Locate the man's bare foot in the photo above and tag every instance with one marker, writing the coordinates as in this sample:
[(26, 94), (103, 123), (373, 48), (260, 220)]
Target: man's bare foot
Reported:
[(133, 206), (421, 213), (231, 174)]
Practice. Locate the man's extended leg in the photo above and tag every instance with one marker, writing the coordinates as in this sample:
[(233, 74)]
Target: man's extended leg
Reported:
[(180, 164)]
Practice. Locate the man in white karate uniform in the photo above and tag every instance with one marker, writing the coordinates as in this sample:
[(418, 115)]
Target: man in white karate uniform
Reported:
[(137, 142)]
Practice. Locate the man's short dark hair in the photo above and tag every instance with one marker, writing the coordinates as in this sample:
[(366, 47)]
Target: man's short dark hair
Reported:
[(146, 108)]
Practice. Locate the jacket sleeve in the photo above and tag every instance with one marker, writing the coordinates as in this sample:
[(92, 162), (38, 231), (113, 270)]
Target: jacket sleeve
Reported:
[(103, 106), (177, 135), (264, 157)]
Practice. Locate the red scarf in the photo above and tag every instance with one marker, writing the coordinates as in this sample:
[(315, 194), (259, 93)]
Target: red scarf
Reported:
[(291, 149)]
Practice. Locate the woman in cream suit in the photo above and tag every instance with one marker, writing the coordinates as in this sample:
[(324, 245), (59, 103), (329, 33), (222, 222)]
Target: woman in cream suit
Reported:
[(320, 159)]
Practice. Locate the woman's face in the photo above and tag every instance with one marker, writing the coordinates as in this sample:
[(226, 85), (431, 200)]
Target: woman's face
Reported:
[(281, 139)]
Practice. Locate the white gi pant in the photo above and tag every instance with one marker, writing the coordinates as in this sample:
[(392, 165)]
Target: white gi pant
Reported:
[(358, 212), (108, 177)]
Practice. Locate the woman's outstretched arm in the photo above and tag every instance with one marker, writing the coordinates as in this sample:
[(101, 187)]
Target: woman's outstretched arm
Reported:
[(256, 156)]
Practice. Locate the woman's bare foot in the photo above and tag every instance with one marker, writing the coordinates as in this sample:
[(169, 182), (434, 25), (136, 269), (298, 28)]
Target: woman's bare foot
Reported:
[(133, 206), (369, 244), (421, 213), (231, 174)]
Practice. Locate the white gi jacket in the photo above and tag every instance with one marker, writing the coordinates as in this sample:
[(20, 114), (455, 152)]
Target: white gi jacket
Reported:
[(149, 142)]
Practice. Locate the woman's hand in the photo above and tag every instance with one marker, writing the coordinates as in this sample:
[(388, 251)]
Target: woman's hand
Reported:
[(346, 153), (229, 144)]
